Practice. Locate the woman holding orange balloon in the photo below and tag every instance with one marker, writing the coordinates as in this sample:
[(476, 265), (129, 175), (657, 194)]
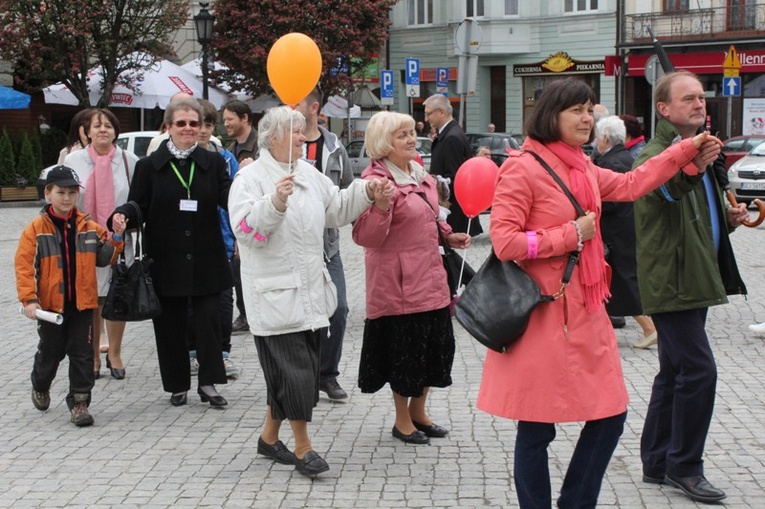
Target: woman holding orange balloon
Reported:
[(408, 337), (279, 207)]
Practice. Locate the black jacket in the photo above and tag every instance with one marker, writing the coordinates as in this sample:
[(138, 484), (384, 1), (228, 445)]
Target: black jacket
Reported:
[(617, 227), (187, 247), (450, 149)]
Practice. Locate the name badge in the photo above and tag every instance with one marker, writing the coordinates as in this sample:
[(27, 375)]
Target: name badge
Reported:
[(188, 206)]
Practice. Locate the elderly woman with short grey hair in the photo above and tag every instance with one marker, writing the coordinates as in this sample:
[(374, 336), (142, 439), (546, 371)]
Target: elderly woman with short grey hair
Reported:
[(178, 189), (279, 207), (617, 224)]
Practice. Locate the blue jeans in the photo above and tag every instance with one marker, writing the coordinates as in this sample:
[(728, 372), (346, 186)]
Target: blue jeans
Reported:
[(331, 347), (581, 485)]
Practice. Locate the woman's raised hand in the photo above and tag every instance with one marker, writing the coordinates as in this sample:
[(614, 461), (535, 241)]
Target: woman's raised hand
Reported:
[(380, 190), (586, 224), (284, 188), (709, 149)]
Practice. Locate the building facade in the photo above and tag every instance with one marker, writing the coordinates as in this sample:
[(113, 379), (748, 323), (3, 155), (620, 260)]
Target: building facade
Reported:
[(697, 36), (523, 46)]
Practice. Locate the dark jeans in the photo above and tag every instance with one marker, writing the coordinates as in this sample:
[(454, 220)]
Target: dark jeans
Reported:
[(584, 476), (683, 396), (236, 268), (73, 338), (171, 334), (331, 341)]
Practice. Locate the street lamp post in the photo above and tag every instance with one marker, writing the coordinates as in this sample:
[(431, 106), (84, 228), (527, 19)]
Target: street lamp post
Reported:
[(205, 22)]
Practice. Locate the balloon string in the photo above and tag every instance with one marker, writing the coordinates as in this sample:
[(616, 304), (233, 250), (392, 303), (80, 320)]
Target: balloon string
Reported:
[(289, 159), (464, 255)]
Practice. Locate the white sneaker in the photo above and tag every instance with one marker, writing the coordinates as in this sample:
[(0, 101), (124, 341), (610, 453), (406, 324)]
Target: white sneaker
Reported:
[(759, 328), (194, 365), (231, 370)]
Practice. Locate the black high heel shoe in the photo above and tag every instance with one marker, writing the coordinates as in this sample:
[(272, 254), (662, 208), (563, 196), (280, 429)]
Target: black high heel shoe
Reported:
[(117, 374), (210, 394)]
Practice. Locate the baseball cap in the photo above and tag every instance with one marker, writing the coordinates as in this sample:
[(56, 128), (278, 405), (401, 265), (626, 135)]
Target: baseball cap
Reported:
[(63, 176)]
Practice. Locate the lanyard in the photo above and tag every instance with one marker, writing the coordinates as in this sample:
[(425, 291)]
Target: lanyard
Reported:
[(185, 184)]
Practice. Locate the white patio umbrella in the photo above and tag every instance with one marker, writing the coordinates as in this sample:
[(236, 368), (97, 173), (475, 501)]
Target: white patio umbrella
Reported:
[(159, 83), (257, 105)]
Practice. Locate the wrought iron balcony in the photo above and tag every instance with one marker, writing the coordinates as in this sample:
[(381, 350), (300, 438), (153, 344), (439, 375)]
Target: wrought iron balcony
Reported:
[(731, 21)]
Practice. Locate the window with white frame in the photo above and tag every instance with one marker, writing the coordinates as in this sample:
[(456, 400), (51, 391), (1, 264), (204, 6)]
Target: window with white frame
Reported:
[(580, 5), (474, 8), (420, 12), (511, 7)]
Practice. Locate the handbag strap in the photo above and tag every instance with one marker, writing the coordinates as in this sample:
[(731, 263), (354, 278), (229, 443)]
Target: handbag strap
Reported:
[(573, 258), (139, 231), (441, 238), (579, 209)]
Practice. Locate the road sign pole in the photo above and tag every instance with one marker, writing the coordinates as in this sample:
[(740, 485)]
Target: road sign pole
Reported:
[(729, 117)]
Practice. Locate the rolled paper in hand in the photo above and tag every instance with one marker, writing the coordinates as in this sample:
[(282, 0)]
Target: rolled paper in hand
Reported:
[(46, 316)]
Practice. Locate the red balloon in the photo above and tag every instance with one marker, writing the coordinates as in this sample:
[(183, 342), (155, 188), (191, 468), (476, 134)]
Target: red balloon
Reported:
[(474, 185)]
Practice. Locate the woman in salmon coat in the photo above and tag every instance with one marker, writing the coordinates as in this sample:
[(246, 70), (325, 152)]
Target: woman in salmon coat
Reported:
[(566, 366)]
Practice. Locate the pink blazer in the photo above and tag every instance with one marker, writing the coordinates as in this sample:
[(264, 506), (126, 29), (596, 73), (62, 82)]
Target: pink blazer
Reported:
[(404, 270)]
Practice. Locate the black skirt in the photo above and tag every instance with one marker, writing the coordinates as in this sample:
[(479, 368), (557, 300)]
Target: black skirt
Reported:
[(409, 352), (290, 364)]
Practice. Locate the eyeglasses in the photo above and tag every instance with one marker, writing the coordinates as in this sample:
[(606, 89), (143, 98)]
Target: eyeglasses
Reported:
[(182, 123), (429, 113)]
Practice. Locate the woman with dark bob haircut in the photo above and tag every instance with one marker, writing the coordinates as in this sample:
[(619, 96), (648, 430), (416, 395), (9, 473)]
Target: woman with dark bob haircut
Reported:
[(565, 367)]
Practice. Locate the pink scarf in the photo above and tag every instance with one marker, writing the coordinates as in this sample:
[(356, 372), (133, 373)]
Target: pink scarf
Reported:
[(592, 263), (99, 188)]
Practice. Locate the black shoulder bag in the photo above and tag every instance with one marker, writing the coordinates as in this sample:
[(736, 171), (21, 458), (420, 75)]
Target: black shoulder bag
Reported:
[(131, 296), (496, 306)]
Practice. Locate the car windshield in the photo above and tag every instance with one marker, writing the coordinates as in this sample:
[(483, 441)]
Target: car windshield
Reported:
[(759, 150), (424, 145)]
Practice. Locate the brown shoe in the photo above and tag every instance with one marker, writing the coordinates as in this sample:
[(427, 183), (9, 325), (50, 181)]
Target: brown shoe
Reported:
[(41, 400), (80, 415)]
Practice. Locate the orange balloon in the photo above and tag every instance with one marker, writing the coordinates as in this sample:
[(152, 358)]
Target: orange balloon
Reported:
[(294, 67)]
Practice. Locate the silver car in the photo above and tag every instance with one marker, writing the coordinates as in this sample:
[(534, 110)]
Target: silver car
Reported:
[(360, 159), (747, 176)]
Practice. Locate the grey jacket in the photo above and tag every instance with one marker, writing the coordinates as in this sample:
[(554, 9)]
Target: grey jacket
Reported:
[(337, 166)]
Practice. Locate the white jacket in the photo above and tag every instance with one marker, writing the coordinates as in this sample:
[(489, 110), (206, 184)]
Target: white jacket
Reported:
[(286, 285)]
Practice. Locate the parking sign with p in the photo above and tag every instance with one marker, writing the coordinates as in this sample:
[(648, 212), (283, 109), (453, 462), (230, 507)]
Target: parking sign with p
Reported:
[(412, 77)]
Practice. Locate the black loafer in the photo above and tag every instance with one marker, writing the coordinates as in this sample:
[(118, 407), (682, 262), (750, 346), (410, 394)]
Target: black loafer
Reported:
[(178, 399), (696, 487), (277, 452), (432, 430), (415, 437), (215, 399), (312, 464)]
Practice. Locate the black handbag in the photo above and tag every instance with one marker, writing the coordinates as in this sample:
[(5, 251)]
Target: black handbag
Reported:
[(131, 296), (496, 306)]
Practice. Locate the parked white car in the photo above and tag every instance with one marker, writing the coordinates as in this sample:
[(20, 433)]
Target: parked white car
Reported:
[(136, 141)]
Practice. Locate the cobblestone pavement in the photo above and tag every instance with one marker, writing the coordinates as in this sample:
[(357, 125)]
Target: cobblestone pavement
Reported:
[(142, 452)]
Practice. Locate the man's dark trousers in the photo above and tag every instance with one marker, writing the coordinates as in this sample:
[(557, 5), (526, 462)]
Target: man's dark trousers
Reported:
[(683, 396)]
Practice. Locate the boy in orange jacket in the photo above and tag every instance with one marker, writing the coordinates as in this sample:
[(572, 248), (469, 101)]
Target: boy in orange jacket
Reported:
[(56, 271)]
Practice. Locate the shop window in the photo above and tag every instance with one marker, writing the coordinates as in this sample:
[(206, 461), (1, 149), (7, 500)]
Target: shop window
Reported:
[(570, 6), (420, 12), (675, 5), (511, 7), (474, 8), (742, 14)]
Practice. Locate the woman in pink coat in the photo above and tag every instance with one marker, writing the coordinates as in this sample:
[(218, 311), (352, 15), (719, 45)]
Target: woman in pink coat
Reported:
[(566, 365), (408, 337)]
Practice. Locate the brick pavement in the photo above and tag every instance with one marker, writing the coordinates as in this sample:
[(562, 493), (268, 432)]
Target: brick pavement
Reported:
[(144, 453)]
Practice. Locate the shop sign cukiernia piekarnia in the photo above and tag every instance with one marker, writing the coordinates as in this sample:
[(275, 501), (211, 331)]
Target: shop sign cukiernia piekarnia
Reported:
[(559, 63)]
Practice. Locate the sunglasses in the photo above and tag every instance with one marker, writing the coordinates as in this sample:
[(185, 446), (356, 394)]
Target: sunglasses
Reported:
[(182, 123)]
